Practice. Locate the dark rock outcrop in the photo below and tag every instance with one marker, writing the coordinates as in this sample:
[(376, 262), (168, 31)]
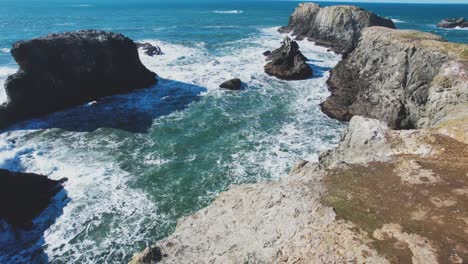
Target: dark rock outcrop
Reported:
[(63, 70), (233, 84), (407, 79), (23, 196), (453, 23), (287, 62), (149, 49), (336, 27)]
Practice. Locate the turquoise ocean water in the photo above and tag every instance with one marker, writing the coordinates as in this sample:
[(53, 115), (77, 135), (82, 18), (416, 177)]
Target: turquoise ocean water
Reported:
[(137, 163)]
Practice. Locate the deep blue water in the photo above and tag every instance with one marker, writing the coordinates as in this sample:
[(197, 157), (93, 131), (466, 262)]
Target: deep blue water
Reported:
[(137, 163)]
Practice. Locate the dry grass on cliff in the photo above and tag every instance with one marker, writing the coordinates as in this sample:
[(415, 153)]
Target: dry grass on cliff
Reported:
[(415, 208)]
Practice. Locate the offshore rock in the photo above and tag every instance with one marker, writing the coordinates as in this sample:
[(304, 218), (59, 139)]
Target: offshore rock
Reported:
[(149, 49), (287, 62), (23, 196), (233, 84), (407, 79), (336, 27), (64, 70), (453, 23)]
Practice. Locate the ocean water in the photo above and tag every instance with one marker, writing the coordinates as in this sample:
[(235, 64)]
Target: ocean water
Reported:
[(138, 162)]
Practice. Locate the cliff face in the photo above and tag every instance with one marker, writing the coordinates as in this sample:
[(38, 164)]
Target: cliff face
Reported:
[(337, 27), (64, 70), (407, 79)]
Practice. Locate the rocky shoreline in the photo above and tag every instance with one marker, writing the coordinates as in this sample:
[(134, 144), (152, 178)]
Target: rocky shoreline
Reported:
[(382, 195)]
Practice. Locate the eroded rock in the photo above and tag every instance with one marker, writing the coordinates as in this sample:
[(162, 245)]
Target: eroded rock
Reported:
[(149, 49), (63, 70), (287, 62), (336, 27), (408, 79), (233, 84), (453, 23), (23, 196)]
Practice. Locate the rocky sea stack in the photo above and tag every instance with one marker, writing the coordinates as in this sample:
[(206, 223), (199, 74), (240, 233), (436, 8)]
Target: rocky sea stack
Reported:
[(23, 196), (287, 62), (336, 27), (68, 69), (233, 84), (453, 23), (408, 79)]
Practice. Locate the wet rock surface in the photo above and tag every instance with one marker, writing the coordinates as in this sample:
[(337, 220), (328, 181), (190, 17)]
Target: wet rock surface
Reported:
[(23, 196), (63, 70), (453, 23), (287, 62), (149, 49), (336, 27), (233, 84)]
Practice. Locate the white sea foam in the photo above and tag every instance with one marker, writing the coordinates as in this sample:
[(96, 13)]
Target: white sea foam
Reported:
[(83, 5), (4, 73), (5, 50), (228, 11), (396, 20)]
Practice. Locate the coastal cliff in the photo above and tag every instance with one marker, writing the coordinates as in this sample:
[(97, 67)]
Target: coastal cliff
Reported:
[(64, 70), (408, 79), (336, 27)]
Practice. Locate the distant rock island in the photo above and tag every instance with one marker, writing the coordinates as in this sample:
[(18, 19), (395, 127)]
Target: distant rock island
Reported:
[(63, 70), (453, 23), (336, 27)]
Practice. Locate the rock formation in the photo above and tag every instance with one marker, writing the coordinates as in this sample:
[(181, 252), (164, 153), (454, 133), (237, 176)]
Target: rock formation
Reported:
[(453, 23), (407, 79), (23, 196), (149, 49), (336, 27), (287, 62), (64, 70), (233, 84)]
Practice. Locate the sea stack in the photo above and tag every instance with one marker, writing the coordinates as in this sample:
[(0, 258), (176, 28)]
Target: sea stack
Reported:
[(287, 62), (64, 70), (453, 23), (336, 27), (23, 196)]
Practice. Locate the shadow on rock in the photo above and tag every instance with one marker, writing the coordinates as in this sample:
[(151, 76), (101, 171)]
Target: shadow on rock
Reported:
[(133, 112)]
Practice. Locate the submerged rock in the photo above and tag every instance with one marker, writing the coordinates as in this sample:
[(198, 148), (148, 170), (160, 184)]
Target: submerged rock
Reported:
[(288, 62), (233, 84), (63, 70), (453, 23), (407, 79), (149, 49), (336, 27), (23, 196)]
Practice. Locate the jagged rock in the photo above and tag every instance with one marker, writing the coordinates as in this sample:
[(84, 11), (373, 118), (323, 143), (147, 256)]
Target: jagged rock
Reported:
[(68, 69), (288, 62), (149, 49), (336, 27), (151, 255), (266, 53), (23, 196), (407, 79), (453, 23), (233, 84)]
